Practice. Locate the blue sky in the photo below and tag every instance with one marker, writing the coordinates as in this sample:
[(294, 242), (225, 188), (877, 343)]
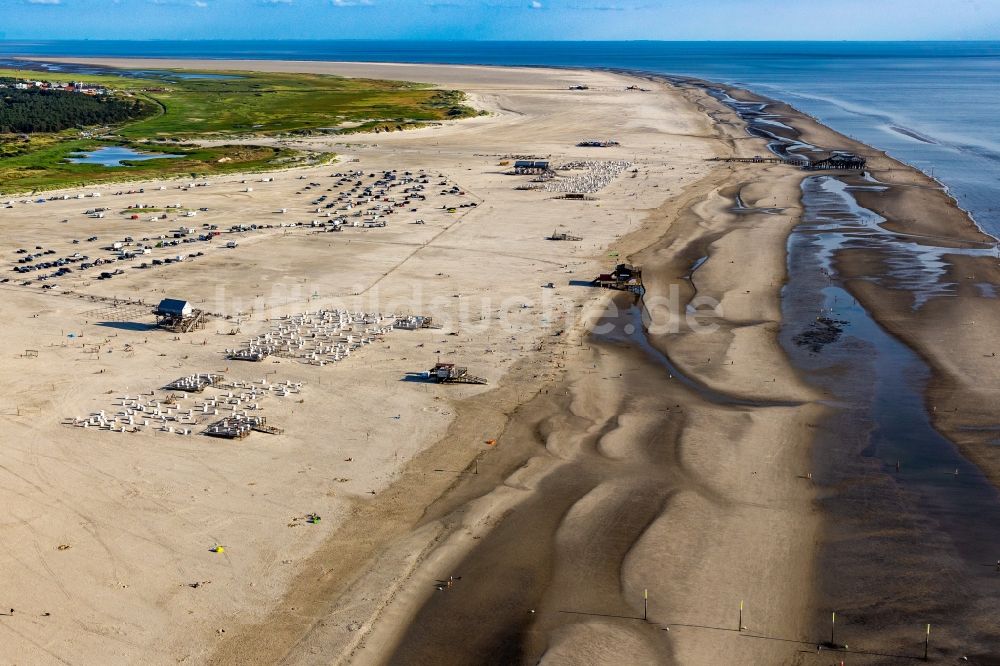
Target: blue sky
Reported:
[(500, 19)]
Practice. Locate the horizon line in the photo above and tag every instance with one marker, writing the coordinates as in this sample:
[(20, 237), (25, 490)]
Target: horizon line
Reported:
[(525, 41)]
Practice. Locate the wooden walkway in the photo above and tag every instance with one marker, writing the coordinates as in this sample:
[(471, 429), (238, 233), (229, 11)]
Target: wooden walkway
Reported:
[(832, 164), (757, 160), (197, 320)]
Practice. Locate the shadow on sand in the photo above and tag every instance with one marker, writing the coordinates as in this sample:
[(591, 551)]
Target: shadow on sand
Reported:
[(824, 645), (128, 325), (417, 377)]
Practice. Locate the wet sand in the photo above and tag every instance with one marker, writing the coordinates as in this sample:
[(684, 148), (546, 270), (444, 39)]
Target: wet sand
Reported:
[(894, 553), (684, 475), (909, 519), (707, 467)]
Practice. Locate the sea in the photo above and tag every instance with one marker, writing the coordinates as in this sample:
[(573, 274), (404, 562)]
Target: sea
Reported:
[(933, 105)]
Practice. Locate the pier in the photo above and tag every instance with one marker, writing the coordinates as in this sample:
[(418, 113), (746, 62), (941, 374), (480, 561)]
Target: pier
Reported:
[(841, 161)]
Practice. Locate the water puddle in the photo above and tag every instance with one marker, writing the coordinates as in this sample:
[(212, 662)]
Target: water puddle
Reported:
[(986, 290), (698, 263)]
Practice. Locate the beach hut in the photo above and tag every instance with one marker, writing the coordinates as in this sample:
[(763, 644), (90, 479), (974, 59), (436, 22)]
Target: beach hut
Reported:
[(839, 160), (173, 307)]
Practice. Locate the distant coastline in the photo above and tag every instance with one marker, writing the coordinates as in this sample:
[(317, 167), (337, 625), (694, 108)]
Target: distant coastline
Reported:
[(927, 104)]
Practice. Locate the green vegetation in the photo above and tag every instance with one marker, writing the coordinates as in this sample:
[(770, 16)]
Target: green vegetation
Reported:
[(289, 103), (46, 168), (31, 111), (187, 109)]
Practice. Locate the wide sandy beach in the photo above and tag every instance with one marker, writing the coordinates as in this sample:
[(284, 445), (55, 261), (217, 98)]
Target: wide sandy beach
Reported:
[(634, 485)]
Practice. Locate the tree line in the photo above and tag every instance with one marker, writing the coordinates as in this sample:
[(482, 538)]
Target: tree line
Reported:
[(34, 110)]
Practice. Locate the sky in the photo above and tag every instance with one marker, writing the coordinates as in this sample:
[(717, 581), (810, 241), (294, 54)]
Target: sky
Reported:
[(502, 19)]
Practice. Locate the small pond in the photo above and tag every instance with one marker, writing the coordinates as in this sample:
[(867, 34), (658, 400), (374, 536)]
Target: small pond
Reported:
[(113, 156)]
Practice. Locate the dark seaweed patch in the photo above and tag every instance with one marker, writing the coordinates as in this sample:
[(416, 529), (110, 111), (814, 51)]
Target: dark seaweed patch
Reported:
[(820, 333)]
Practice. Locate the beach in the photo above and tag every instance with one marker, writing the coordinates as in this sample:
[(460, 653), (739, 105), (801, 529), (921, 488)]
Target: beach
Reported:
[(672, 478)]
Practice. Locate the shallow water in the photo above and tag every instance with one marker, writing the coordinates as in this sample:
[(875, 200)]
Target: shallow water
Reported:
[(912, 264), (72, 68), (115, 156), (875, 378)]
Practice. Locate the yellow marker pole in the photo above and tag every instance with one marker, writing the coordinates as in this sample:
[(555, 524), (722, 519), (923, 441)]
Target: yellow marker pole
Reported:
[(927, 640), (739, 627), (645, 603), (833, 625)]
